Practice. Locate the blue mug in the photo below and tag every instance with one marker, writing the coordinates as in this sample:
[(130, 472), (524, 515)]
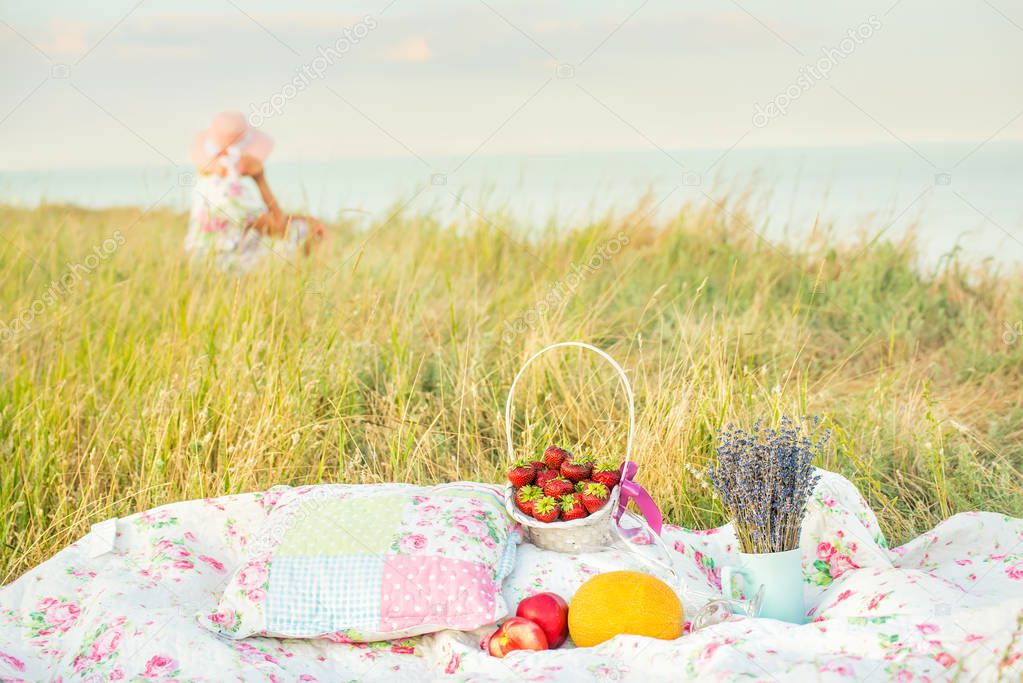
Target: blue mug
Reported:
[(780, 574)]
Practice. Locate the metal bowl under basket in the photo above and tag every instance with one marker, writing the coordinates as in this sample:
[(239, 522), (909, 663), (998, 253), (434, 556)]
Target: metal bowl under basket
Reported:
[(575, 536)]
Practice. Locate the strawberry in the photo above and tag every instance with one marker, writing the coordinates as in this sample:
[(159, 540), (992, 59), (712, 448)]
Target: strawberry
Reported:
[(554, 456), (606, 473), (545, 476), (558, 487), (580, 485), (538, 465), (594, 496), (521, 474), (526, 496), (572, 507), (545, 509), (576, 470)]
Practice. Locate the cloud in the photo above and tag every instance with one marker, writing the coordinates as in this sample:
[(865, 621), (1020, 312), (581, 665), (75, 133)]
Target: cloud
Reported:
[(67, 37), (159, 53), (411, 51)]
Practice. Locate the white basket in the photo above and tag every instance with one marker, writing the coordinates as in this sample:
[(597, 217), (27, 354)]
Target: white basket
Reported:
[(577, 535)]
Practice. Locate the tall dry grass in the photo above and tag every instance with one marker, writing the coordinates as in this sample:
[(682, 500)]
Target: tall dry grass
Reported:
[(388, 356)]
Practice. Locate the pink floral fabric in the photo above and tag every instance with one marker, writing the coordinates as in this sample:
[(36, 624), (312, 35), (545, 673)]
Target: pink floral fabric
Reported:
[(120, 605)]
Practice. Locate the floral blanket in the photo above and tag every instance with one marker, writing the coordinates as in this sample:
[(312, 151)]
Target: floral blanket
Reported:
[(121, 604)]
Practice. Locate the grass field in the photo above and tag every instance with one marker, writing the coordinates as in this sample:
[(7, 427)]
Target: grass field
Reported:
[(129, 379)]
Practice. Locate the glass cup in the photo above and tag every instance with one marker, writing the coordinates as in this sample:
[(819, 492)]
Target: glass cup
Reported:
[(719, 609)]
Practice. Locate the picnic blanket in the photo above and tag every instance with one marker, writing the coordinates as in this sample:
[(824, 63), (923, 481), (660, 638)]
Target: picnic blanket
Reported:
[(121, 605)]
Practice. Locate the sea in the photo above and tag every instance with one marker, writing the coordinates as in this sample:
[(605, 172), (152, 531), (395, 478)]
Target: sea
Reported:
[(963, 199)]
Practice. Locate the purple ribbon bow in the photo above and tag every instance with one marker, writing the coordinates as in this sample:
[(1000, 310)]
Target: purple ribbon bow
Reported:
[(632, 490)]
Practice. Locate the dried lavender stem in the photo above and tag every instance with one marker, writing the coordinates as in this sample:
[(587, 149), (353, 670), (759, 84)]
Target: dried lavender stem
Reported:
[(764, 478)]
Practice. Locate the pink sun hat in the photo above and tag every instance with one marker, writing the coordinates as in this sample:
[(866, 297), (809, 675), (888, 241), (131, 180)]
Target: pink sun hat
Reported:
[(230, 131)]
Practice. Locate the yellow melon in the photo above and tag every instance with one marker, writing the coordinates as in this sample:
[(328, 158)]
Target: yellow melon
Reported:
[(618, 603)]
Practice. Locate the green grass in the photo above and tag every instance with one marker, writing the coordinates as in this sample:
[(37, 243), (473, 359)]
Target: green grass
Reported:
[(387, 356)]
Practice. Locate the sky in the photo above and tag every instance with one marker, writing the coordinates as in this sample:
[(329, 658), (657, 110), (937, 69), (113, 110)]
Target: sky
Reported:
[(129, 82)]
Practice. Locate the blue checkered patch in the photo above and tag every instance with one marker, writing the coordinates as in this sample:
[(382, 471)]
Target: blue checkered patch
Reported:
[(317, 594)]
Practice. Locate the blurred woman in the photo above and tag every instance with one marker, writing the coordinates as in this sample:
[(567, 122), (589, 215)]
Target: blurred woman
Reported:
[(235, 218)]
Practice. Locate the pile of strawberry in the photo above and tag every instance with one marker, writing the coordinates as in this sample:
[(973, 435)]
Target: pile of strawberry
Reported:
[(562, 486)]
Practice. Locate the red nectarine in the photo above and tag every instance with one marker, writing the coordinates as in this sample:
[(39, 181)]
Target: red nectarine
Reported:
[(548, 611), (516, 634)]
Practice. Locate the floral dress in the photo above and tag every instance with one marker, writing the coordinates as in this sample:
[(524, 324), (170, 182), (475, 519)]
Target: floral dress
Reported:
[(223, 209)]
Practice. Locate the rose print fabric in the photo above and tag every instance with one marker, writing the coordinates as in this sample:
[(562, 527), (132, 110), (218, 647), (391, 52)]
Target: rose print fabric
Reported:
[(121, 604), (369, 563)]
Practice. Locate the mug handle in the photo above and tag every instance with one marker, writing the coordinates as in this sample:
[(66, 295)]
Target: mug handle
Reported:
[(727, 574)]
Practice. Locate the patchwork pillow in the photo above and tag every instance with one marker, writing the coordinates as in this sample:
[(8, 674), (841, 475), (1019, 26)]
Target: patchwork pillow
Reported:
[(372, 562)]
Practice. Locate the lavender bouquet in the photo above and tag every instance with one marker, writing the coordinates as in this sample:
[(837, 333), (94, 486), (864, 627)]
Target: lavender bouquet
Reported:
[(764, 478)]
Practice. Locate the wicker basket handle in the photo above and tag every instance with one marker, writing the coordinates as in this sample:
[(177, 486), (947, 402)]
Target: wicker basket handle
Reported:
[(581, 345)]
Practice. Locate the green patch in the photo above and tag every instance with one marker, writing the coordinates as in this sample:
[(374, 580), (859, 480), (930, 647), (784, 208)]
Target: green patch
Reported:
[(347, 526)]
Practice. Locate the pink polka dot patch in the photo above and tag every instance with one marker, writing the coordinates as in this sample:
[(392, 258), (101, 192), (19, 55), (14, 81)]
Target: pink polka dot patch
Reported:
[(421, 591)]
